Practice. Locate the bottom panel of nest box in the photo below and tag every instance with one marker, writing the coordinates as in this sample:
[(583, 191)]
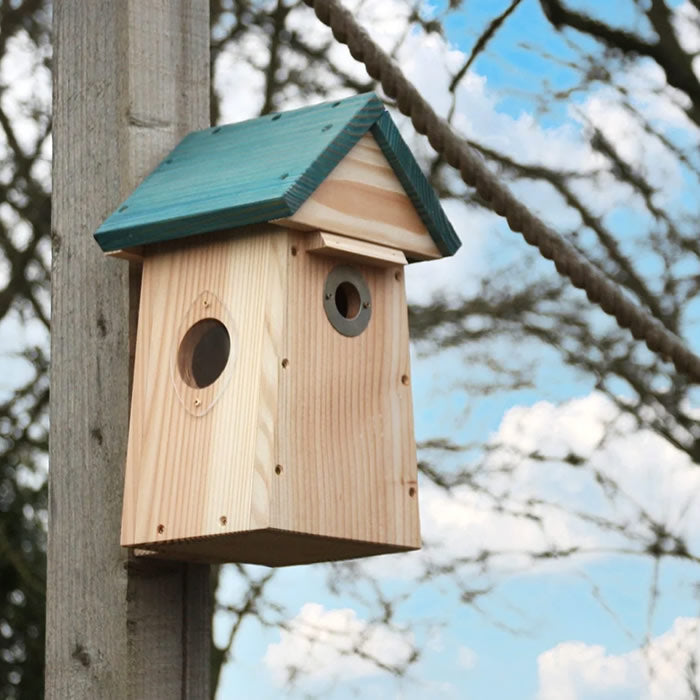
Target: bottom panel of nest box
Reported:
[(268, 547)]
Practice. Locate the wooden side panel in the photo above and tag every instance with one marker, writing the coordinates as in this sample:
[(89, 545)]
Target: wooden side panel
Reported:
[(346, 447), (362, 198), (200, 460)]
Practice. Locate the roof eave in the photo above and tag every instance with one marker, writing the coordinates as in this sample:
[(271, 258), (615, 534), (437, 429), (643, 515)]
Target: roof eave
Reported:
[(184, 227)]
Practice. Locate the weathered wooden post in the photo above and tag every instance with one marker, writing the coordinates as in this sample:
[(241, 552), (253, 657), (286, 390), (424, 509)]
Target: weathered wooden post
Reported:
[(130, 79)]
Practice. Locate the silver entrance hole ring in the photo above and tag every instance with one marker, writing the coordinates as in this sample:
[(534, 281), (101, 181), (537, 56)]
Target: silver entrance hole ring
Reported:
[(347, 301)]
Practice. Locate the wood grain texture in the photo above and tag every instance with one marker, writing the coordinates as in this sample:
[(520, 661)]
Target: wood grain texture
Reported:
[(302, 450), (415, 184), (344, 248), (200, 460), (346, 439), (130, 79), (239, 174), (363, 198)]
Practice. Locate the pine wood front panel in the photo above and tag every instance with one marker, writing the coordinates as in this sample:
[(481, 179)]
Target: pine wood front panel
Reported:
[(346, 444), (362, 198), (191, 471)]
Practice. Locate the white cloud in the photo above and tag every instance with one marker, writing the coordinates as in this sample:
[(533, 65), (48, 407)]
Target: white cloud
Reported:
[(660, 671), (686, 21), (29, 86), (329, 645), (239, 84), (466, 657), (453, 277), (653, 478)]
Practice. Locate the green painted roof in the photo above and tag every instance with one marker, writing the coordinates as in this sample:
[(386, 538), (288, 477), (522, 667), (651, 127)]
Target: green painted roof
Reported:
[(263, 169)]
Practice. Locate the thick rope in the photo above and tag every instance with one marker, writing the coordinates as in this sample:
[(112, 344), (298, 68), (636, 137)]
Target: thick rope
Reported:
[(474, 172)]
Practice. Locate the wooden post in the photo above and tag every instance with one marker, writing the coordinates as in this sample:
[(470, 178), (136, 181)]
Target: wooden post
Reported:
[(130, 78)]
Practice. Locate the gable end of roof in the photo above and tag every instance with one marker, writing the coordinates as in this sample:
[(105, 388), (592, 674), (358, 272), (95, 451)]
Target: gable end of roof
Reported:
[(417, 187), (318, 170)]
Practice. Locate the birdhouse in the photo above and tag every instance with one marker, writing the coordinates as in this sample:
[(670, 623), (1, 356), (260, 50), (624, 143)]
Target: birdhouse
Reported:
[(271, 416)]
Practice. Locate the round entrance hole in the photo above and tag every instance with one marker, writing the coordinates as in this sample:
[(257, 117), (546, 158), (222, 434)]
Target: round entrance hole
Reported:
[(347, 300), (203, 353)]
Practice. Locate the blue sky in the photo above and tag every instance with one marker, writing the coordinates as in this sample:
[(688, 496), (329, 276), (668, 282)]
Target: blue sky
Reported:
[(542, 629)]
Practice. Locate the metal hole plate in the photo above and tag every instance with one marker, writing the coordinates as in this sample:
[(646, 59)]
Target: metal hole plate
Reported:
[(351, 277)]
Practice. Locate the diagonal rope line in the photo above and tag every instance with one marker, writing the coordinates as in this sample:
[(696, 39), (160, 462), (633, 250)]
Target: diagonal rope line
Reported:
[(460, 155)]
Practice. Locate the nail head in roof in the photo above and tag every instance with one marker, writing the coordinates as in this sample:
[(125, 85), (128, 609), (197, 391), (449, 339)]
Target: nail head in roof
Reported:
[(276, 117), (328, 126)]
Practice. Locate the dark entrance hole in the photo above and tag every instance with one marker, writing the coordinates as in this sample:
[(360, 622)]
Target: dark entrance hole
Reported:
[(203, 353), (347, 300)]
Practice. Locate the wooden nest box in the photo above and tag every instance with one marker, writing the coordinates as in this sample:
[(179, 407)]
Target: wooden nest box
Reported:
[(271, 417)]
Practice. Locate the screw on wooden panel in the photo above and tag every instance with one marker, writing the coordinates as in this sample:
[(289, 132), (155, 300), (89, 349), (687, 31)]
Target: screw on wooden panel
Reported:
[(160, 529), (411, 492), (294, 250), (223, 520), (397, 276), (278, 469), (205, 303), (285, 363), (366, 305), (404, 379), (197, 403)]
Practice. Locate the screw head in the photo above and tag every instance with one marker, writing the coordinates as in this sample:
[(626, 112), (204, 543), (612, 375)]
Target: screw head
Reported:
[(197, 403)]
